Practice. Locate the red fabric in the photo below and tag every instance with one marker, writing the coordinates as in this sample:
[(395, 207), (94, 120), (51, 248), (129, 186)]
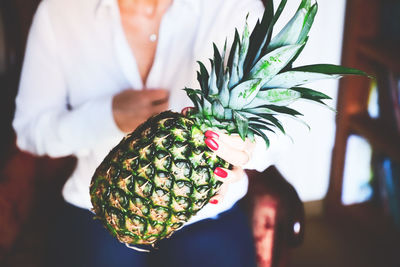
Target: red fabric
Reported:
[(264, 219)]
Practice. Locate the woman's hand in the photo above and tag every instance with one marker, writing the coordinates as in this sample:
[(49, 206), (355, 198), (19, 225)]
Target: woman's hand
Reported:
[(232, 149), (133, 107)]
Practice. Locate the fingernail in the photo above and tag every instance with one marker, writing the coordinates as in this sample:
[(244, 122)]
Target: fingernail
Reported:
[(214, 201), (186, 110), (211, 143), (220, 172), (211, 134)]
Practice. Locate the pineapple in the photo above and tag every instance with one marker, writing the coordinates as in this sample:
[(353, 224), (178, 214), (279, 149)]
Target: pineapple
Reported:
[(161, 174)]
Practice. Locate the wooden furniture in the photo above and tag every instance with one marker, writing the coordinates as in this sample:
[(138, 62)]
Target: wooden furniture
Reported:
[(277, 217), (368, 48)]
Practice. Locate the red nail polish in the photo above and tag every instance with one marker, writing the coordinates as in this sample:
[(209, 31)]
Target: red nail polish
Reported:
[(220, 172), (186, 110), (211, 134), (214, 201), (211, 143)]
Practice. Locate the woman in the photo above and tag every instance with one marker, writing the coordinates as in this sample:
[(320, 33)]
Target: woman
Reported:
[(93, 70)]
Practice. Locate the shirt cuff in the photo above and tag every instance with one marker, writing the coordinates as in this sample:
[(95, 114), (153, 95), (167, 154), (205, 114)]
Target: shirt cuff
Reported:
[(264, 156), (90, 125), (110, 126)]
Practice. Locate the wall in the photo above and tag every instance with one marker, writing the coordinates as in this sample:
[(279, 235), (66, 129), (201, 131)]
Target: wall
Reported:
[(2, 48)]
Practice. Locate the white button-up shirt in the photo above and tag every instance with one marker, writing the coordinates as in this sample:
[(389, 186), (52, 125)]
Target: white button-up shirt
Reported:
[(78, 58)]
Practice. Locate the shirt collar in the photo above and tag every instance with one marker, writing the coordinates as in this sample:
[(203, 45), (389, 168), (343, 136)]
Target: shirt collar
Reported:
[(103, 4)]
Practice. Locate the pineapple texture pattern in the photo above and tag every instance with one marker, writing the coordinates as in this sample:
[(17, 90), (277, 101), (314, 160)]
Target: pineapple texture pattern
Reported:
[(160, 175)]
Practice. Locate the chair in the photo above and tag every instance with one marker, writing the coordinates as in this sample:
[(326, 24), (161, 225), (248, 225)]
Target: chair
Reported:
[(277, 216)]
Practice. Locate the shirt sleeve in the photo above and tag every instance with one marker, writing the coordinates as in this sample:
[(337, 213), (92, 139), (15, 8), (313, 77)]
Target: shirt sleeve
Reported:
[(44, 122), (263, 156)]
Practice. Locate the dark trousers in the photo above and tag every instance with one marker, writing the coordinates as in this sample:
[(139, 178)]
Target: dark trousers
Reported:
[(77, 240)]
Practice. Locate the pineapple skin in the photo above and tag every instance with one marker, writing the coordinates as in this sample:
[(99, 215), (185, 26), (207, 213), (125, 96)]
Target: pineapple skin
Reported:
[(155, 180)]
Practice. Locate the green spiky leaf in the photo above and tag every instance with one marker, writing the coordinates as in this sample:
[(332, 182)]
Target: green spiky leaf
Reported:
[(262, 134), (330, 69), (202, 77), (260, 126), (309, 20), (217, 109), (274, 121), (228, 114), (244, 93), (290, 34), (219, 65), (310, 93), (243, 50), (270, 64), (224, 92), (306, 74), (207, 107), (290, 64), (250, 135), (234, 77), (192, 94), (266, 117), (258, 83), (242, 124), (255, 118), (304, 4), (260, 35), (279, 97), (260, 110), (212, 82), (264, 45), (296, 78), (283, 110)]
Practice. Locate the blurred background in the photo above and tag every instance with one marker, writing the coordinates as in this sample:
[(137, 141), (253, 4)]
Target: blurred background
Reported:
[(346, 169)]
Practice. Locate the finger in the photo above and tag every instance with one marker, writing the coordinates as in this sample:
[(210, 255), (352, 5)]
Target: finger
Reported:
[(186, 110), (156, 94), (232, 155), (228, 176), (219, 197), (233, 140), (159, 101), (159, 108)]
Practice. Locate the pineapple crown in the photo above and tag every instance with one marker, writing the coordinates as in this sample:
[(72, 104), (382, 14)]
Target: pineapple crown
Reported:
[(257, 82)]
